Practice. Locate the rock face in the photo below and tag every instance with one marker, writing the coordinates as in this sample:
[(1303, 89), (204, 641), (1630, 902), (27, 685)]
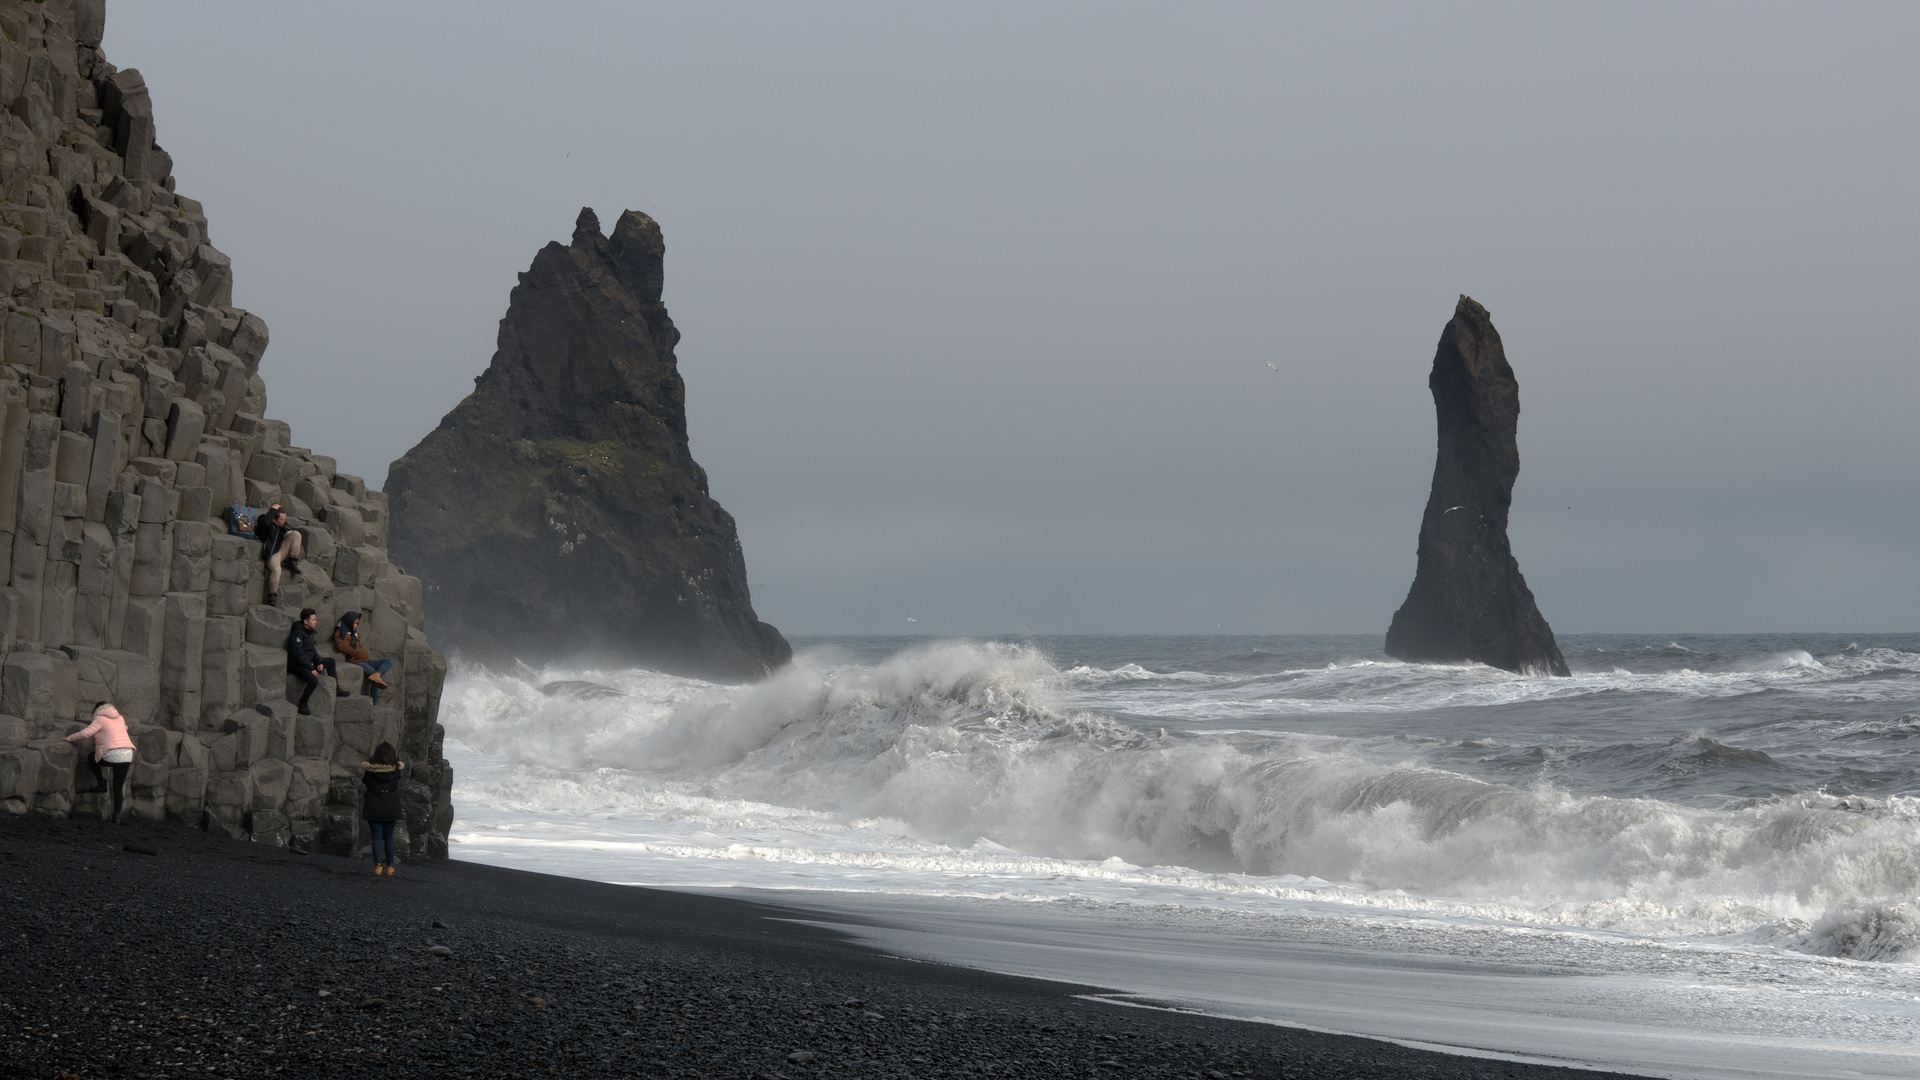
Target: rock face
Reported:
[(1468, 600), (557, 512), (132, 412)]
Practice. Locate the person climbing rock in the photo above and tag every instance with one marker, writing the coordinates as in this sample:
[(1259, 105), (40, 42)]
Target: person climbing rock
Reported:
[(304, 662), (112, 746), (279, 547), (381, 807), (346, 641)]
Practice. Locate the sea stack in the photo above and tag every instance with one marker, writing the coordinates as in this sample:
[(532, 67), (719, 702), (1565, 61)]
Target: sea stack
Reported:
[(1469, 601), (556, 513)]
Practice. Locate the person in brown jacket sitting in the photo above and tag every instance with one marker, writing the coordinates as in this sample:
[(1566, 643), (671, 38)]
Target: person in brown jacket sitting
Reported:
[(346, 639)]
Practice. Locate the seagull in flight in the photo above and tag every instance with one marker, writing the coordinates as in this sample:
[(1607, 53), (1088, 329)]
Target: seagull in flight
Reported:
[(1451, 509), (1270, 364)]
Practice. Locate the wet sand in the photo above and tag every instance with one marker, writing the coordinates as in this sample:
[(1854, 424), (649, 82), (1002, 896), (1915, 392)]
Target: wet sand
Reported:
[(215, 958)]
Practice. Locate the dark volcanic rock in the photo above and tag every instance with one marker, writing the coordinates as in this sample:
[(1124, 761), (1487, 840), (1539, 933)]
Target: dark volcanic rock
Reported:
[(133, 413), (557, 512), (1468, 600), (236, 960)]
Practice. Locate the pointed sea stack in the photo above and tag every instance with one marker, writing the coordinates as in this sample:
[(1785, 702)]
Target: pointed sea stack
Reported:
[(556, 513), (1468, 600)]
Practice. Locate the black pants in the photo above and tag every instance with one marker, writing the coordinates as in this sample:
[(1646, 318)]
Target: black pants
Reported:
[(119, 778), (312, 680)]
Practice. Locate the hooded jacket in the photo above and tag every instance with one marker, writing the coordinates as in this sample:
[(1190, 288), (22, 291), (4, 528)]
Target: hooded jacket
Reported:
[(383, 791), (347, 642)]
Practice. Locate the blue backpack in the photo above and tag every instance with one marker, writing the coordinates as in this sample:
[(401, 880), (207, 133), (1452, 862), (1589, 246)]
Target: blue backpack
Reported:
[(240, 519)]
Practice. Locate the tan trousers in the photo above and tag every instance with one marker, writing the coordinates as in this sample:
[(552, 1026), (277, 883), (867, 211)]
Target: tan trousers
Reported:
[(288, 550)]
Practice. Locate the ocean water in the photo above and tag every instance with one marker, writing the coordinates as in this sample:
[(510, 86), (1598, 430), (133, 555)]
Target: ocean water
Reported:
[(1694, 839)]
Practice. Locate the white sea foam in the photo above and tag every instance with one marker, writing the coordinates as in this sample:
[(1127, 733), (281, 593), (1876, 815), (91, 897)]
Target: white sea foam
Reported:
[(975, 769), (1389, 686)]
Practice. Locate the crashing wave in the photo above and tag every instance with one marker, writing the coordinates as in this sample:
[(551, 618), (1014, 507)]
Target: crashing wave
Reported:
[(959, 743)]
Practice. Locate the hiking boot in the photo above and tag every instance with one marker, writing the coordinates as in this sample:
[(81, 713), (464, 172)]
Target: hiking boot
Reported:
[(291, 565), (273, 599), (376, 680), (337, 692), (303, 710)]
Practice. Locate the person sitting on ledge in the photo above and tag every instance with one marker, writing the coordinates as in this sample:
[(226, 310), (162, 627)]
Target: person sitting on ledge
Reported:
[(346, 640), (303, 662), (279, 546), (112, 745)]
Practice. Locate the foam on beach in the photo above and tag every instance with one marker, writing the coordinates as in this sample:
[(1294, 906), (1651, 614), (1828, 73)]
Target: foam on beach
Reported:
[(1341, 806)]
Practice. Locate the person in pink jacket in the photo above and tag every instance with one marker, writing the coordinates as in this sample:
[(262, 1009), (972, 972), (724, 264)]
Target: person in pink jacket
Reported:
[(112, 747)]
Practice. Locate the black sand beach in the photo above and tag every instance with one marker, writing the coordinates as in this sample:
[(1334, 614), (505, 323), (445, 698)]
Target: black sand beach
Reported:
[(152, 950)]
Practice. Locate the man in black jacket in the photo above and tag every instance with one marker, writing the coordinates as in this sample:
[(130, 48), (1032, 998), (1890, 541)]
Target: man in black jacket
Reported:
[(279, 546), (303, 661)]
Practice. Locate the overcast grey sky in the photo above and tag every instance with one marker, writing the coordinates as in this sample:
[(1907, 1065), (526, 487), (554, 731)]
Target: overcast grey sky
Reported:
[(978, 300)]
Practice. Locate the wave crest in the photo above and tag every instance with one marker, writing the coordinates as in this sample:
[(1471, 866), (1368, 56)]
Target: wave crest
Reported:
[(966, 744)]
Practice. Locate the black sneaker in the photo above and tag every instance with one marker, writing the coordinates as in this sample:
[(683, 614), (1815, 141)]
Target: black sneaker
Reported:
[(303, 710), (292, 565)]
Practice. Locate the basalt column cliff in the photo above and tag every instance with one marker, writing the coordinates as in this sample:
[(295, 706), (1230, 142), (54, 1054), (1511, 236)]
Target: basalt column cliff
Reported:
[(132, 413), (557, 512), (1468, 600)]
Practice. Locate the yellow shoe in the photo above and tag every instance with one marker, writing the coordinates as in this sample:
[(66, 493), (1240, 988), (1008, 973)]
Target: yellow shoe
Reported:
[(378, 870)]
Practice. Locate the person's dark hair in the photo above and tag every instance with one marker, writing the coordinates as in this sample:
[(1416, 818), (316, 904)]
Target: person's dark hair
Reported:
[(98, 705), (384, 754), (276, 513), (305, 612)]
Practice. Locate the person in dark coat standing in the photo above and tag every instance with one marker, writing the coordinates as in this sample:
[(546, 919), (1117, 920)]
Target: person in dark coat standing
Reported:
[(381, 807), (304, 662)]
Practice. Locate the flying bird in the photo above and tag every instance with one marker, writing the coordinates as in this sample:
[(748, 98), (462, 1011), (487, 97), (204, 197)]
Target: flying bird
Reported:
[(1451, 509), (912, 619), (1270, 364)]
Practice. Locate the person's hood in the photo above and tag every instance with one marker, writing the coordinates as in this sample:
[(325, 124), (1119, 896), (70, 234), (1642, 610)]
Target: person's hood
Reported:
[(345, 625)]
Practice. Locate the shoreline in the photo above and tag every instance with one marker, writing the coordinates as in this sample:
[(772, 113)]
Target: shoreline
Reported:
[(221, 958)]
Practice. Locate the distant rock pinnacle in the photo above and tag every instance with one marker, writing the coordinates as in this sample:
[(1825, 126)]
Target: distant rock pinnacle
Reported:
[(556, 513), (1469, 601)]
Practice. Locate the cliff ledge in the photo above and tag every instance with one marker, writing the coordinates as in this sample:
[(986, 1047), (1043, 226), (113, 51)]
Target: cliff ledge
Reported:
[(132, 413)]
